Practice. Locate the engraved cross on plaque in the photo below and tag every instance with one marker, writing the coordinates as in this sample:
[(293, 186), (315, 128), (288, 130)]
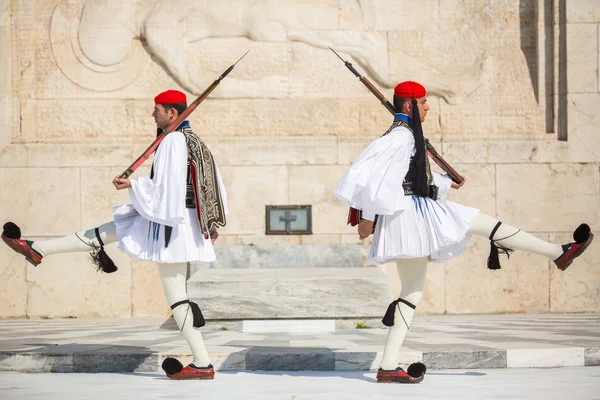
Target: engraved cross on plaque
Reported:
[(288, 218)]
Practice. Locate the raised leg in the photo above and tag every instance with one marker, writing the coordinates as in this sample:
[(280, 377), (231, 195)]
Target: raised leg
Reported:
[(513, 238), (77, 242)]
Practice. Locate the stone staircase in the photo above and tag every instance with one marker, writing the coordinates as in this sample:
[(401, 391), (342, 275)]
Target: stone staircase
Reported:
[(289, 282)]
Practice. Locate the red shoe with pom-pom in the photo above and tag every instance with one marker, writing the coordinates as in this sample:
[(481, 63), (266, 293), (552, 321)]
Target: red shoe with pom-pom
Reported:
[(176, 371), (11, 235), (583, 237), (414, 374)]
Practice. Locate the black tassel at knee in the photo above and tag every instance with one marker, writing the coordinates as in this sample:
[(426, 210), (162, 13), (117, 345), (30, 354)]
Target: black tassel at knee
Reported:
[(388, 318), (100, 259), (199, 321), (495, 250), (493, 262)]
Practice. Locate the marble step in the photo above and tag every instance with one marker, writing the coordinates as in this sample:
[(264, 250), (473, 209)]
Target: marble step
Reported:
[(287, 293), (305, 256), (288, 326)]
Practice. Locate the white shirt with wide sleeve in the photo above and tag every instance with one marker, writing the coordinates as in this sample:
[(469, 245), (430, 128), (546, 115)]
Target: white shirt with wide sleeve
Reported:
[(373, 183)]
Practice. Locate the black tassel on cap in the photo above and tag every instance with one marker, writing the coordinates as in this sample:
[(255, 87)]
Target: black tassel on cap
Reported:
[(171, 365), (11, 231), (581, 234), (416, 370), (100, 259)]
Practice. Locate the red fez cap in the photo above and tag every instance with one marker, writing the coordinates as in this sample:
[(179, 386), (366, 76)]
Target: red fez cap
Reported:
[(409, 90), (170, 97)]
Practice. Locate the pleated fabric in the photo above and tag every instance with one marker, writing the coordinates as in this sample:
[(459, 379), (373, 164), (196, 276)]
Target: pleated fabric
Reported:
[(436, 229)]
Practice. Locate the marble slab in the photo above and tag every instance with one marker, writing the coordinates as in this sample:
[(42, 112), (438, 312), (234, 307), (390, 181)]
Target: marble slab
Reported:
[(540, 358), (330, 293), (313, 326), (305, 256)]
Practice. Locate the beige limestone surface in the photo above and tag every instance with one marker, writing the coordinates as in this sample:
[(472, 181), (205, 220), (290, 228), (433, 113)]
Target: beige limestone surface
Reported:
[(506, 81)]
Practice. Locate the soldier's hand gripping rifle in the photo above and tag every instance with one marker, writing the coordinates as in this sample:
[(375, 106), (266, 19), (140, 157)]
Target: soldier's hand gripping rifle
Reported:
[(140, 160), (435, 156)]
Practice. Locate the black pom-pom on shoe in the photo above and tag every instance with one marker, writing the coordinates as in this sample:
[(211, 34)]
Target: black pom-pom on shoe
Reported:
[(11, 231), (171, 365), (582, 233), (416, 370)]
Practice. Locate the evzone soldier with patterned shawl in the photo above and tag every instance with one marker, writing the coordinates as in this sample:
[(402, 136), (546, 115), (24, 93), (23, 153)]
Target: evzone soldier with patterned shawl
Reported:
[(172, 220), (393, 194)]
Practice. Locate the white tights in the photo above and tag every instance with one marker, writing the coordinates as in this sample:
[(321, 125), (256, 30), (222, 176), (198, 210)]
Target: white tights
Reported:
[(483, 225), (412, 273), (173, 278), (77, 242)]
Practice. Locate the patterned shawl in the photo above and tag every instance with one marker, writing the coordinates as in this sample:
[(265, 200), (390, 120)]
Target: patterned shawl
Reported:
[(209, 203)]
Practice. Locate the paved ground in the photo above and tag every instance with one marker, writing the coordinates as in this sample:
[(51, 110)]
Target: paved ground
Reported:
[(442, 342), (559, 383)]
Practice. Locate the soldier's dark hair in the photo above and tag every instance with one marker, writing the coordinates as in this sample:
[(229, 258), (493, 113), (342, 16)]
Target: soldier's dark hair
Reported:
[(399, 104), (180, 107)]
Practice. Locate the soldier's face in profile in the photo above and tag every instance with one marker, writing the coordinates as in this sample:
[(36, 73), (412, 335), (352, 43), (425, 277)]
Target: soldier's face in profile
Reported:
[(161, 116), (423, 107)]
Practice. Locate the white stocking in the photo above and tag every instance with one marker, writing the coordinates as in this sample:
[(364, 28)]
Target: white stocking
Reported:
[(412, 280), (483, 225), (173, 278), (77, 242)]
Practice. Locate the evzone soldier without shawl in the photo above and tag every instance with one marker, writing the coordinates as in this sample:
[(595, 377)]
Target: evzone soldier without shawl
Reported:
[(172, 220), (394, 195)]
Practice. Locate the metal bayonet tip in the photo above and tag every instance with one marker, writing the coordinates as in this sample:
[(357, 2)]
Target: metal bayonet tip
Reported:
[(337, 54), (242, 57)]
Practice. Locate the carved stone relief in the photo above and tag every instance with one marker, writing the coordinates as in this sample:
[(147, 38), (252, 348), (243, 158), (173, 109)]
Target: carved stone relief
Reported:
[(103, 49)]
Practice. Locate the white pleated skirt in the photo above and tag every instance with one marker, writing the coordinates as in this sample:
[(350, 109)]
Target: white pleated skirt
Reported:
[(429, 228), (144, 240)]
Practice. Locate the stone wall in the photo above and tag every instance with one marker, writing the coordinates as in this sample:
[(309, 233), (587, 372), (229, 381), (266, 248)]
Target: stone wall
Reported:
[(514, 93)]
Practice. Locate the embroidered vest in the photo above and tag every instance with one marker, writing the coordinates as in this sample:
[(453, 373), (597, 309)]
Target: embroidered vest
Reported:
[(407, 183)]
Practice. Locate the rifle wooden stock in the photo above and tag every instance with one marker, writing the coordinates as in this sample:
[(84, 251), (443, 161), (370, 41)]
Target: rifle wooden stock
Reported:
[(447, 168), (140, 160), (379, 95)]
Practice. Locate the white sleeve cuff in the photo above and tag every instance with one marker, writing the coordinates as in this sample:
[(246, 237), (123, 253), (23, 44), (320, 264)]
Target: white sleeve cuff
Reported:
[(368, 215), (443, 182)]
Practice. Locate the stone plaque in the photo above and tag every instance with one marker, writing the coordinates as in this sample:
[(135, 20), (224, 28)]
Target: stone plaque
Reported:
[(289, 220)]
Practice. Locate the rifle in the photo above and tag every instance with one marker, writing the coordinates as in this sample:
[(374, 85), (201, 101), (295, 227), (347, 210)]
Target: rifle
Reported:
[(140, 160), (435, 156)]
